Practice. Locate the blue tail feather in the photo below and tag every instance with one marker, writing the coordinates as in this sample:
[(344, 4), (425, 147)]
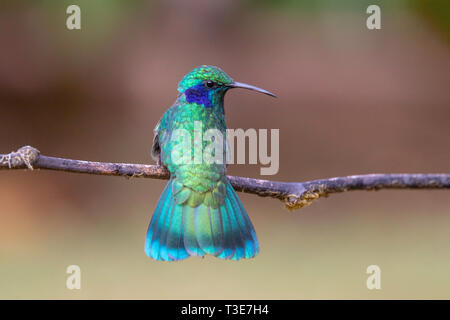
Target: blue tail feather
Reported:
[(189, 233), (249, 235), (235, 233), (165, 226), (216, 230), (154, 230), (178, 231), (229, 247), (175, 245)]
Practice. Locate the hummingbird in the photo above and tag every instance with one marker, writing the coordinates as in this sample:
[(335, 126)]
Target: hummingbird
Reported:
[(198, 212)]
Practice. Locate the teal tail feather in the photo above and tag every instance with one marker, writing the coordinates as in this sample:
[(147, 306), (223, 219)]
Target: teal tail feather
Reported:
[(178, 231)]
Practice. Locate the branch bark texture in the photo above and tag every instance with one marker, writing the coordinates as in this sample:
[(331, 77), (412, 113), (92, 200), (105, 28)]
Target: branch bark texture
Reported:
[(293, 194)]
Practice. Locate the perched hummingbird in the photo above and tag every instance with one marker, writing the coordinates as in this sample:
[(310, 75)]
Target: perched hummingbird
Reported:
[(198, 212)]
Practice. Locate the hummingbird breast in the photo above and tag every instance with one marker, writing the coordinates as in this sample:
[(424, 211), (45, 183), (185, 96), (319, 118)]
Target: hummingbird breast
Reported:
[(193, 122)]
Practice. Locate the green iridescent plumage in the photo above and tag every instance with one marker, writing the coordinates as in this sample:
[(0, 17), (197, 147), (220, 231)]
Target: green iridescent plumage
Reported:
[(199, 212), (203, 73)]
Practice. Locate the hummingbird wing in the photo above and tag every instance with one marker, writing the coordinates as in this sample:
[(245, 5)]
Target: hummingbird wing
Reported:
[(160, 135), (156, 148)]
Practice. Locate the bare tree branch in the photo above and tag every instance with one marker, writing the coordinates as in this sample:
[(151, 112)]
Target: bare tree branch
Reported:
[(294, 194)]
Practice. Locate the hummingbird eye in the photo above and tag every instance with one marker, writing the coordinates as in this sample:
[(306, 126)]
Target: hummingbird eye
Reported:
[(210, 84)]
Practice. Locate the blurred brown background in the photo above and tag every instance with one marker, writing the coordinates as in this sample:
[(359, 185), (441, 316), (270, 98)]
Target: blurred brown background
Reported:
[(350, 101)]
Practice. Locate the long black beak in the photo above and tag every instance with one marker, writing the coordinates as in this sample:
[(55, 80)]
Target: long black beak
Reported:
[(250, 87)]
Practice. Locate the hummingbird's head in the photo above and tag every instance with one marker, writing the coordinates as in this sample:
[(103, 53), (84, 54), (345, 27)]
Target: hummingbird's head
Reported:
[(207, 85)]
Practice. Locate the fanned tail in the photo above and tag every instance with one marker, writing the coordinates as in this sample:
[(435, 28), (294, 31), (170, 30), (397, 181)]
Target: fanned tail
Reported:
[(165, 233), (178, 231)]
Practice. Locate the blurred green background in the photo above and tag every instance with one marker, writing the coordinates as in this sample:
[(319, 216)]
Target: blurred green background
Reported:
[(351, 101)]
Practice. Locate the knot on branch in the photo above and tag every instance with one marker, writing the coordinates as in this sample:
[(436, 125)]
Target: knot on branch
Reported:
[(24, 157), (293, 201), (304, 197)]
